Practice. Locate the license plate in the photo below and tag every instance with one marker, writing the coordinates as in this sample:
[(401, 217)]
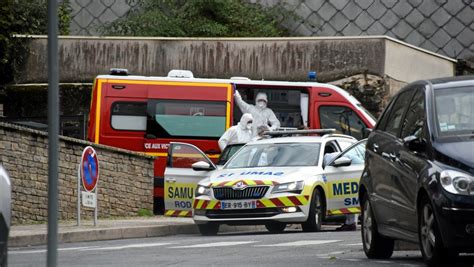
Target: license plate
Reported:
[(238, 204)]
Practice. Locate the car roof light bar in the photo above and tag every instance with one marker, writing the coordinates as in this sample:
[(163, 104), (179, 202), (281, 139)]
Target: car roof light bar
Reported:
[(300, 132)]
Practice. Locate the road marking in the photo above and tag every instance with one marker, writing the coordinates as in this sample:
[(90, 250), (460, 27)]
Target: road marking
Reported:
[(44, 250), (27, 251), (331, 253), (216, 244), (76, 248), (145, 245), (353, 244), (300, 243)]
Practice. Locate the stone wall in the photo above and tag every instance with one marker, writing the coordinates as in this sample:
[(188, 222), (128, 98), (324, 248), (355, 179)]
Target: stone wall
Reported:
[(125, 183), (374, 92)]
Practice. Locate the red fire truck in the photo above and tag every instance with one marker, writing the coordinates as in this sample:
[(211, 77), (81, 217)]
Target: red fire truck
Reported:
[(145, 114)]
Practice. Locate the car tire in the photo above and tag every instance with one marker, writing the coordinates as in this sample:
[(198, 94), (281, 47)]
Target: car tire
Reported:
[(275, 227), (375, 245), (316, 213), (4, 257), (208, 229), (431, 245)]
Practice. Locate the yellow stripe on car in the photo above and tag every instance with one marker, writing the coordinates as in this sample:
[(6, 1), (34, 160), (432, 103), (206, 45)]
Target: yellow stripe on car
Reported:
[(286, 201), (212, 204)]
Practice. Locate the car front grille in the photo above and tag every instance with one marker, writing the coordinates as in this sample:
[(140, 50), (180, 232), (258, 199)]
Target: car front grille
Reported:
[(251, 192)]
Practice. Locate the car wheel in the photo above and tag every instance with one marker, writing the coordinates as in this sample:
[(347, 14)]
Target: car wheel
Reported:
[(4, 257), (275, 227), (315, 217), (208, 229), (375, 245), (431, 245)]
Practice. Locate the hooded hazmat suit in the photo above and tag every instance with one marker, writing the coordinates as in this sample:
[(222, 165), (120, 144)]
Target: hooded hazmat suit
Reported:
[(261, 114), (240, 133)]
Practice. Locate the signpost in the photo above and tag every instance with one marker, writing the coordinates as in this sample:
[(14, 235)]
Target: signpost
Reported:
[(88, 176)]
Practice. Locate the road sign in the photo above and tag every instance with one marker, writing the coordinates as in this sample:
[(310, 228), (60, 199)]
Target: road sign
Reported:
[(89, 199), (88, 176), (89, 169)]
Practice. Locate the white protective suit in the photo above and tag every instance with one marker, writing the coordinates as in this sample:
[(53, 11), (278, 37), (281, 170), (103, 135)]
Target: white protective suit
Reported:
[(261, 114), (240, 133)]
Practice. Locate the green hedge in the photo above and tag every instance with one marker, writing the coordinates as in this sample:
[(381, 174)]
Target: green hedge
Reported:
[(200, 18)]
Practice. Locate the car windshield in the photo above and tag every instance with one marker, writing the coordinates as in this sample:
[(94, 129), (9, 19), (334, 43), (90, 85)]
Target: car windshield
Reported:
[(455, 111), (281, 154), (228, 152)]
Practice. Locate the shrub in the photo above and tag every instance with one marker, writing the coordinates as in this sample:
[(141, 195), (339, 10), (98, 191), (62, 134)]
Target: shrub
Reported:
[(24, 17), (200, 18)]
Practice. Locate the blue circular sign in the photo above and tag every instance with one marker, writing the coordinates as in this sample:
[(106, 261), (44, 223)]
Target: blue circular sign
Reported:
[(89, 169)]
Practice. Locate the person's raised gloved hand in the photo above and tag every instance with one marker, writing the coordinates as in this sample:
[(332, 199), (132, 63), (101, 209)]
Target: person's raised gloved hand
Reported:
[(237, 94)]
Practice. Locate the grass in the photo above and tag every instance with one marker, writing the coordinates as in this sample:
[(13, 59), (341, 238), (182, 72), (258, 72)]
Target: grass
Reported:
[(145, 212)]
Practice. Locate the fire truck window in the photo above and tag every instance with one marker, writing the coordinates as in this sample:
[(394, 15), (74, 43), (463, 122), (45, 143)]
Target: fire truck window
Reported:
[(343, 119), (285, 103), (180, 118), (129, 116)]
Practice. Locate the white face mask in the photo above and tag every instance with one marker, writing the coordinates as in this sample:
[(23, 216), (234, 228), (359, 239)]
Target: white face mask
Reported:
[(249, 126), (261, 104)]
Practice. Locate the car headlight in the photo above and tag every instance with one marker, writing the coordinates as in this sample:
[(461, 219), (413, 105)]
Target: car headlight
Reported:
[(457, 182), (202, 190), (293, 187)]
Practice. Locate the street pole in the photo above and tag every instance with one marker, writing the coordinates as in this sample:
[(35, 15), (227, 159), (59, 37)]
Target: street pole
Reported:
[(53, 131)]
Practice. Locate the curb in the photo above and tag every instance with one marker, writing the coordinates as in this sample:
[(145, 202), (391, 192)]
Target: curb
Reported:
[(119, 233)]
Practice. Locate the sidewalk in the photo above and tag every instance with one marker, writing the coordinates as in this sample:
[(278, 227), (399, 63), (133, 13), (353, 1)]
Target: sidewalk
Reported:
[(107, 229)]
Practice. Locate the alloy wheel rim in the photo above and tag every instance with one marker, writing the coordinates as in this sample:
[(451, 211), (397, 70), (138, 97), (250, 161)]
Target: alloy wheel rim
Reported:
[(428, 239), (367, 227), (317, 209)]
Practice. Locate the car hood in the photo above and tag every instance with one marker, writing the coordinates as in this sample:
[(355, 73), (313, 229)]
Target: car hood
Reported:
[(275, 175), (457, 154)]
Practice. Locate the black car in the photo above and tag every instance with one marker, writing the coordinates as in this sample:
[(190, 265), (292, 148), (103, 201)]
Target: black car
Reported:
[(418, 180)]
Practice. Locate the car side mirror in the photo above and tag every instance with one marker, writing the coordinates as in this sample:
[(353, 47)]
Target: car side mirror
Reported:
[(414, 143), (366, 132), (342, 162), (202, 166)]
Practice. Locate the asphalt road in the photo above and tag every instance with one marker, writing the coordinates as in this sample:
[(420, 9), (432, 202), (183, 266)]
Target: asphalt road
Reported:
[(292, 248)]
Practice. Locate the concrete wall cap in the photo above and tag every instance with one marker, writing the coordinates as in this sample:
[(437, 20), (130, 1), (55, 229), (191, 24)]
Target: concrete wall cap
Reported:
[(283, 39)]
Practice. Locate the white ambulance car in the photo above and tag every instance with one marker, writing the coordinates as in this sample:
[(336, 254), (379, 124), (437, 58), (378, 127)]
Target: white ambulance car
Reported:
[(272, 182)]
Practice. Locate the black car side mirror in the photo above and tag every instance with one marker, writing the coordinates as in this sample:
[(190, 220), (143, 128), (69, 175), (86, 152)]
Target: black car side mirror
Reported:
[(414, 143), (366, 132)]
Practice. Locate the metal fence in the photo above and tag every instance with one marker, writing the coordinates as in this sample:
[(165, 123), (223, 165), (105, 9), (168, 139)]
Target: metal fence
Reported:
[(445, 27), (88, 15)]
